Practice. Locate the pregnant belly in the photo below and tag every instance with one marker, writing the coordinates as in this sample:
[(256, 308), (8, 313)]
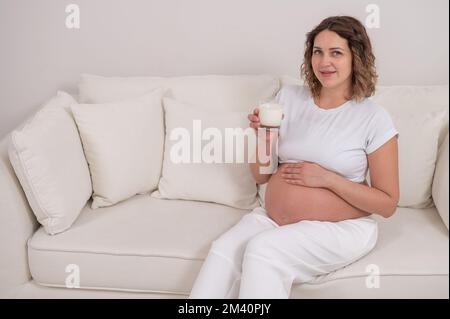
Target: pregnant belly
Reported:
[(286, 203)]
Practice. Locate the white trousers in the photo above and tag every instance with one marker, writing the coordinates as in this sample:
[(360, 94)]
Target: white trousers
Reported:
[(257, 258)]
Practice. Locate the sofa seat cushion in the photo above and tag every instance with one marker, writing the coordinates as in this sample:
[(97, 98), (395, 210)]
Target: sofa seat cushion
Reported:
[(410, 260), (142, 243), (156, 245)]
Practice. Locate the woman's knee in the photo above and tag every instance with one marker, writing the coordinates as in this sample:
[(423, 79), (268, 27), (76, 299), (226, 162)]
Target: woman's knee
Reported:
[(226, 246), (264, 245), (232, 244)]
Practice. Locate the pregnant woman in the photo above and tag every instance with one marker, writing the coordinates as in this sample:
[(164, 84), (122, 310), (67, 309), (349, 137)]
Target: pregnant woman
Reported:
[(317, 204)]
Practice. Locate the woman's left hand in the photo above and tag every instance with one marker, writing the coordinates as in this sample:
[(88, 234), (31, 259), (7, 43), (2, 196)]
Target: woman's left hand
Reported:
[(306, 174)]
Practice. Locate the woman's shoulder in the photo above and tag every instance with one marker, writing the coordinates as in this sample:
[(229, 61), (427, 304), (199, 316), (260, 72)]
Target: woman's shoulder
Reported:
[(372, 108)]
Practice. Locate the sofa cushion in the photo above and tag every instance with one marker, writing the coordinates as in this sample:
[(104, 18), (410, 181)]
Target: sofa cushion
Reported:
[(408, 99), (210, 92), (417, 155), (140, 244), (218, 167), (123, 142), (148, 244), (441, 182), (412, 107), (102, 89), (48, 159)]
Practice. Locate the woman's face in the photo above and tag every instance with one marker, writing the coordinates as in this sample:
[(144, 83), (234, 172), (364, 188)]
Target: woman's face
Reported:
[(332, 60)]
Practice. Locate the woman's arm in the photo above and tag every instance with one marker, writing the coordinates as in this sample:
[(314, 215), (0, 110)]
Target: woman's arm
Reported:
[(382, 198), (263, 147), (262, 166)]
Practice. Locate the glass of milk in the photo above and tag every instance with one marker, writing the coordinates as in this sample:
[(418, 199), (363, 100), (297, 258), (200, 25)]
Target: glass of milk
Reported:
[(270, 115)]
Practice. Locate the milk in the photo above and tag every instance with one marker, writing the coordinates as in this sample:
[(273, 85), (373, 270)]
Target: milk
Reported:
[(270, 115)]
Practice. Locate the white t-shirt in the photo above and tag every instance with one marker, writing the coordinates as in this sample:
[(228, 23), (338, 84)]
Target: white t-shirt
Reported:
[(337, 139)]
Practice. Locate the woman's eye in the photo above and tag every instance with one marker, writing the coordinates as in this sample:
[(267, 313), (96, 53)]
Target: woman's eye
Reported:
[(316, 52), (335, 53)]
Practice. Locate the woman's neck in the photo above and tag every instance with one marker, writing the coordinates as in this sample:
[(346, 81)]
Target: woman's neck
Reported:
[(330, 98)]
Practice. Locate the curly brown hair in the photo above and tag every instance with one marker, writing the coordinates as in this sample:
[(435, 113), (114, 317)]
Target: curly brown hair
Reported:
[(364, 75)]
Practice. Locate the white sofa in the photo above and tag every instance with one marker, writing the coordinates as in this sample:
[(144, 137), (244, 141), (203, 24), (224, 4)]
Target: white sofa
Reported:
[(147, 247)]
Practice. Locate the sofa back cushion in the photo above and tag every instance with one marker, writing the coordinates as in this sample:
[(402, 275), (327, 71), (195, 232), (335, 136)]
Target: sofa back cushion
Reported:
[(100, 89), (420, 114), (123, 142), (441, 182), (48, 159), (417, 154), (206, 156), (210, 92), (415, 100)]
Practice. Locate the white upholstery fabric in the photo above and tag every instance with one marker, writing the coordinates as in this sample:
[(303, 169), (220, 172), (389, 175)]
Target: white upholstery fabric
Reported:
[(33, 290), (417, 155), (148, 244), (409, 99), (441, 183), (414, 107), (140, 244), (210, 92), (123, 143), (17, 224), (99, 89), (199, 174), (48, 159), (353, 287)]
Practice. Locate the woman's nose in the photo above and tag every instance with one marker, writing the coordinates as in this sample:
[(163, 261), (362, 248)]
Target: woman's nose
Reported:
[(324, 61)]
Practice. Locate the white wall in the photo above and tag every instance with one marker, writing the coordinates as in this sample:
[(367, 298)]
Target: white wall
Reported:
[(39, 55)]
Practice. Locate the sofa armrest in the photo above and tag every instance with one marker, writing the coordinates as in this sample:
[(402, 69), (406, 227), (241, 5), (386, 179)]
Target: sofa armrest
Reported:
[(17, 225), (440, 182)]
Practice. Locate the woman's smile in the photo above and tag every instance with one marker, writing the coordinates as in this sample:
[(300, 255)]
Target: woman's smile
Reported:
[(327, 74)]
